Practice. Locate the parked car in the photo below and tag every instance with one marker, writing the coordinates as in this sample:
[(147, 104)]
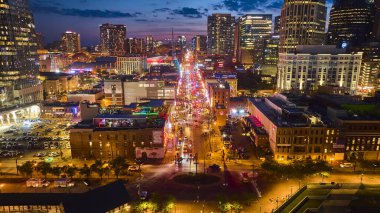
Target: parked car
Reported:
[(36, 183), (133, 168), (346, 165), (245, 177), (63, 182), (143, 195)]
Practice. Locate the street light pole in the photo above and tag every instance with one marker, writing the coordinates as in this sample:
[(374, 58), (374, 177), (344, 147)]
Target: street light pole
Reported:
[(361, 178)]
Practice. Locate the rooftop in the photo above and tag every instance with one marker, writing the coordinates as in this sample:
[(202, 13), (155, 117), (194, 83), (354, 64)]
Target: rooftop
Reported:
[(288, 116), (93, 91), (106, 197), (61, 104)]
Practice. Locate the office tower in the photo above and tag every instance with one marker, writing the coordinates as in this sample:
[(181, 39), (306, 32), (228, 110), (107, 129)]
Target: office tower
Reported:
[(253, 29), (351, 22), (112, 38), (302, 23), (200, 43), (149, 41), (376, 25), (70, 42), (271, 50), (135, 46), (18, 56), (370, 70), (40, 41), (277, 25), (318, 65), (181, 41), (220, 31)]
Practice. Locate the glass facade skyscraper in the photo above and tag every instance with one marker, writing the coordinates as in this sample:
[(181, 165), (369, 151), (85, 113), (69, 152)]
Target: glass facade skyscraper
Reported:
[(302, 23), (18, 46), (253, 30), (351, 22), (112, 38), (220, 32)]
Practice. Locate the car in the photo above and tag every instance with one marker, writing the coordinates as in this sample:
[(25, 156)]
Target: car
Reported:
[(245, 177), (346, 165), (143, 195), (64, 183), (34, 182), (133, 168)]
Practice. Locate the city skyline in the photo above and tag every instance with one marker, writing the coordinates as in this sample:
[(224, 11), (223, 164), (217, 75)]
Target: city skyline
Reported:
[(146, 17)]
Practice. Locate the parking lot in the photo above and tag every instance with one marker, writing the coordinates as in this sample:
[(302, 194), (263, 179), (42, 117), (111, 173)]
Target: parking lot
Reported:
[(34, 139)]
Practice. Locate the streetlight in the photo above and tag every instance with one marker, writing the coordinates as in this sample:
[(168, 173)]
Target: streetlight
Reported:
[(361, 178), (331, 160), (291, 190)]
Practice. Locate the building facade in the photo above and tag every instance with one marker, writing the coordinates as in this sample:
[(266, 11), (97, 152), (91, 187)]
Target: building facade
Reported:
[(220, 32), (135, 46), (253, 29), (131, 65), (200, 43), (277, 25), (351, 22), (292, 133), (70, 42), (112, 39), (28, 91), (315, 66), (18, 58), (220, 96), (108, 136), (302, 23)]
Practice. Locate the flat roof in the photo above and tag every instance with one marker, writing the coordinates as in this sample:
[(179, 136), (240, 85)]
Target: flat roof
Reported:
[(61, 104), (106, 198), (296, 117)]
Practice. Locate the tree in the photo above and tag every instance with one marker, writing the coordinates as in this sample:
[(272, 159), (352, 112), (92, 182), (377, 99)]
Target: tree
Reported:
[(144, 206), (70, 171), (85, 171), (26, 169), (164, 203), (97, 167), (107, 170), (118, 165), (43, 168), (56, 171)]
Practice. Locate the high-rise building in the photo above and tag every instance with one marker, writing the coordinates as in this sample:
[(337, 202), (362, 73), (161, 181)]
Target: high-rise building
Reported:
[(351, 22), (112, 38), (318, 65), (181, 41), (220, 31), (253, 29), (302, 23), (271, 50), (277, 25), (135, 46), (18, 46), (370, 70), (149, 41), (200, 43), (70, 42), (376, 25)]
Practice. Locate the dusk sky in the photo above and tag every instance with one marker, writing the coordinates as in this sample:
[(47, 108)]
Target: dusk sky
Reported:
[(142, 17)]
